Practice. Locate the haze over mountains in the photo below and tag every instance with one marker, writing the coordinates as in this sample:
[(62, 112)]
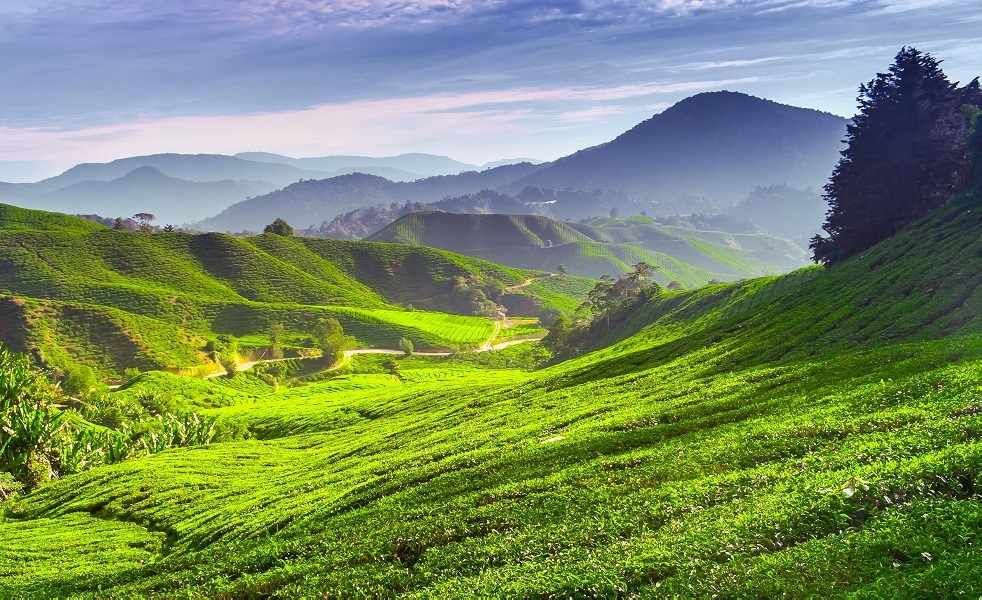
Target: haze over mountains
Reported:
[(603, 247), (701, 155), (179, 188)]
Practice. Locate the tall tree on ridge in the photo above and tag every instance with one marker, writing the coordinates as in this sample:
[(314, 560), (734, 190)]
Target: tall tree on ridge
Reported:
[(906, 156)]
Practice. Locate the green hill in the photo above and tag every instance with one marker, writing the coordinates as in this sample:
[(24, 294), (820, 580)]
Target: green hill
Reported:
[(115, 300), (809, 435), (600, 247)]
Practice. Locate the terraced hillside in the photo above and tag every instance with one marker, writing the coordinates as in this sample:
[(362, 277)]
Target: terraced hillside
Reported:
[(600, 247), (75, 291), (812, 434)]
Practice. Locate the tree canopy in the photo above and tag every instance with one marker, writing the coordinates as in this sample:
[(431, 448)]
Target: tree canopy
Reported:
[(906, 155), (279, 227)]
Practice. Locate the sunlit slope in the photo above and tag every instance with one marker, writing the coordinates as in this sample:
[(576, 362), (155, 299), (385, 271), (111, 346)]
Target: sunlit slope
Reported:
[(599, 247), (922, 284), (812, 434), (154, 300)]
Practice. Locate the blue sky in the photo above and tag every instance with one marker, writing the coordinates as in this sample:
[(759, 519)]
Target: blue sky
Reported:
[(94, 80)]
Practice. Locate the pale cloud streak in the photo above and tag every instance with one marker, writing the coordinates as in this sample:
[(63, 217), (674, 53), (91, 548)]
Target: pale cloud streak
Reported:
[(504, 120), (100, 79)]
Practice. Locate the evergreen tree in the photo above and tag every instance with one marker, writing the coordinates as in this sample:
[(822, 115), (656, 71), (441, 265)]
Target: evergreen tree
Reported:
[(906, 156)]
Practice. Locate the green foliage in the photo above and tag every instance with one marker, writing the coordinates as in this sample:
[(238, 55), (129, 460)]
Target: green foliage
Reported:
[(906, 156), (275, 332), (279, 227), (330, 338), (406, 345), (609, 300), (30, 426)]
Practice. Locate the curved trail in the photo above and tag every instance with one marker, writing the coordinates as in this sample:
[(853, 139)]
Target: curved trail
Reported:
[(485, 347)]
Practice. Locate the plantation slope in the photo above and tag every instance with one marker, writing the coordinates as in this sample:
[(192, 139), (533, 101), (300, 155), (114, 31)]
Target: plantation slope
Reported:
[(114, 300), (811, 435), (464, 232), (742, 483), (15, 218), (922, 284), (600, 247)]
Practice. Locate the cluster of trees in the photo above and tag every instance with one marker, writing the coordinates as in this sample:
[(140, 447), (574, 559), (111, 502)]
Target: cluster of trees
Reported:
[(906, 155), (330, 338), (279, 227), (606, 304), (476, 295)]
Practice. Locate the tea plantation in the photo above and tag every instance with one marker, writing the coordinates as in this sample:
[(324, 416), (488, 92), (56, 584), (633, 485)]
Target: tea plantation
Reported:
[(814, 434), (76, 293)]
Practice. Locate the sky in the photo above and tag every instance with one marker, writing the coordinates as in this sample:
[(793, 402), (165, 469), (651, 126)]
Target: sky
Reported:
[(96, 80)]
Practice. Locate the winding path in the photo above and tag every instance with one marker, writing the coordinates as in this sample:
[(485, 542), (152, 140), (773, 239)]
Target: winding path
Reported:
[(486, 347)]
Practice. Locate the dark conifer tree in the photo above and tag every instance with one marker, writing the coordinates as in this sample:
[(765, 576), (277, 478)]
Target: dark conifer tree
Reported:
[(906, 156)]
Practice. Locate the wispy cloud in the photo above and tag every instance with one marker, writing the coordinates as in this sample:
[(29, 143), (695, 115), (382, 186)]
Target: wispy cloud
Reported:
[(101, 68), (506, 121)]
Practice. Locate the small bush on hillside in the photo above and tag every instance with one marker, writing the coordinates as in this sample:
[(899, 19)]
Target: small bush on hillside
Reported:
[(78, 380), (279, 227)]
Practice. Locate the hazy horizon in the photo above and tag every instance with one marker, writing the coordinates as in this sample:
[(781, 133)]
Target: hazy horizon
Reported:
[(475, 81)]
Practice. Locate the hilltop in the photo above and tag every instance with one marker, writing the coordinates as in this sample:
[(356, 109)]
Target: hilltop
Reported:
[(599, 247), (718, 145)]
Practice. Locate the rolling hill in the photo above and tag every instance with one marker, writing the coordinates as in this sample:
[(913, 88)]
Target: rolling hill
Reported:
[(601, 247), (75, 291), (811, 434)]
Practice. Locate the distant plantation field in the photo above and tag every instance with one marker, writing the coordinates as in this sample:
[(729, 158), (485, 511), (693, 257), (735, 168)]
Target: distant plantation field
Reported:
[(600, 247), (75, 292), (458, 329)]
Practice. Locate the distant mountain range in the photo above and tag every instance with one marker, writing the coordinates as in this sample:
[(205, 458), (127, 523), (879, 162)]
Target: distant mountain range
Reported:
[(179, 188), (314, 202), (413, 166), (701, 155), (602, 247)]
